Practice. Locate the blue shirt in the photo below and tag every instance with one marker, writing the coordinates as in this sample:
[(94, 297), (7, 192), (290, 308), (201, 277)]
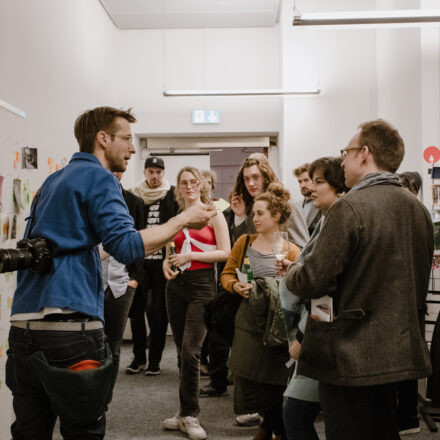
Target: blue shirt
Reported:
[(79, 207)]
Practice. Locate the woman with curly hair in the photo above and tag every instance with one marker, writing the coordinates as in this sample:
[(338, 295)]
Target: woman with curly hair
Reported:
[(259, 370), (191, 285)]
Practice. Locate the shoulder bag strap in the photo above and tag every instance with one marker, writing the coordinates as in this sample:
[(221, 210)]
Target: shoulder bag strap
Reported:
[(246, 245)]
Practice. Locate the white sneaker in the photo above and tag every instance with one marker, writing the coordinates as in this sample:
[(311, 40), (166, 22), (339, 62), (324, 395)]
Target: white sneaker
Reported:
[(191, 425), (248, 419), (172, 422)]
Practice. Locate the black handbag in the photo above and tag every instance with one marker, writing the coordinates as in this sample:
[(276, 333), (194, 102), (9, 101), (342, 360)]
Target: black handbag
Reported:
[(221, 310)]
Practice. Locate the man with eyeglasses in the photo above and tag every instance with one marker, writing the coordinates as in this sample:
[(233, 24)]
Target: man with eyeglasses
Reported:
[(373, 257), (58, 364), (159, 206)]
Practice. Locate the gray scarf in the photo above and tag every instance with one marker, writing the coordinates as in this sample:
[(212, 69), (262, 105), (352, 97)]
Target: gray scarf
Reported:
[(379, 178)]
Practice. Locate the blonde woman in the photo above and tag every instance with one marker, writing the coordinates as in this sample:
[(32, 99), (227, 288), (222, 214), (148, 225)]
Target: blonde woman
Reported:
[(191, 284)]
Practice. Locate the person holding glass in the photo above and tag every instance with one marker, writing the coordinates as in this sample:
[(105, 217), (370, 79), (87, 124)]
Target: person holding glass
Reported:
[(259, 371), (191, 285), (302, 405)]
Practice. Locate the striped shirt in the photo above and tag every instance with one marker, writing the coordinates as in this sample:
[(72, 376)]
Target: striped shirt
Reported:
[(262, 265)]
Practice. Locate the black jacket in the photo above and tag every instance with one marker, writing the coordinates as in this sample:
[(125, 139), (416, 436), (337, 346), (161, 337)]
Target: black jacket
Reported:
[(168, 207), (135, 207)]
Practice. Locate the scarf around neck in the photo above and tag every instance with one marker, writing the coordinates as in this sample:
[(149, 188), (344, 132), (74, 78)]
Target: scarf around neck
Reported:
[(379, 178), (150, 195)]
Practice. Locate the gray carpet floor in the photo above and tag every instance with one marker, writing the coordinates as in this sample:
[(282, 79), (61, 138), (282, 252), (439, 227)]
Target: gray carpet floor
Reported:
[(140, 403)]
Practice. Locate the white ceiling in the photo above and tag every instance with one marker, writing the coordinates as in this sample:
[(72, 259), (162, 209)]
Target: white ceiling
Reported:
[(177, 14)]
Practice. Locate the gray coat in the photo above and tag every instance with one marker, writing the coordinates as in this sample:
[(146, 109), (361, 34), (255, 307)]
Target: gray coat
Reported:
[(373, 256)]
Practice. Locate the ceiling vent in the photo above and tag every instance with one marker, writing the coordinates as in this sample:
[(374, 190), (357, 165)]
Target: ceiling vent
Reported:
[(182, 14)]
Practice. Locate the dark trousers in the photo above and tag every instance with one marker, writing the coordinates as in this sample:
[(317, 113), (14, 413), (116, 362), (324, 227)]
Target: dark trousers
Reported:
[(407, 404), (149, 299), (115, 315), (299, 419), (221, 318), (33, 404), (273, 419), (361, 413), (186, 297)]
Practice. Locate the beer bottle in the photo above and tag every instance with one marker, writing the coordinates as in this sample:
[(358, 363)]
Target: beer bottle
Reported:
[(247, 269)]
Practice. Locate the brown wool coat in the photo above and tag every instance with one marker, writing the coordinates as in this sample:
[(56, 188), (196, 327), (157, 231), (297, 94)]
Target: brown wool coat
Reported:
[(373, 256)]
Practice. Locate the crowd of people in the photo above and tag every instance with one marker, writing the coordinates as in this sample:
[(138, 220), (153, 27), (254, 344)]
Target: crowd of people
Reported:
[(239, 308)]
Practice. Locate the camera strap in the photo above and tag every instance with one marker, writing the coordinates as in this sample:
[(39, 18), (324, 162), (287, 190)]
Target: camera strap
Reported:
[(32, 213)]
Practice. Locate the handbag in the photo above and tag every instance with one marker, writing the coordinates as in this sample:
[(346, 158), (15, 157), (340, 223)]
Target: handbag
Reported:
[(221, 310)]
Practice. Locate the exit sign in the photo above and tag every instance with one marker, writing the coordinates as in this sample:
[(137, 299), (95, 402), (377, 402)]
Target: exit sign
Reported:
[(206, 117)]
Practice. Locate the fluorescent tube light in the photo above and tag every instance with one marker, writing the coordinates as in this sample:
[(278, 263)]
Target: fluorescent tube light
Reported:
[(262, 92), (367, 17), (12, 109)]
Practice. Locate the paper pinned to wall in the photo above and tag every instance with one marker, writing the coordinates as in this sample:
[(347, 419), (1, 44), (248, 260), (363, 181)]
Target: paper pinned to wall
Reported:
[(5, 227), (50, 164), (18, 199), (26, 192)]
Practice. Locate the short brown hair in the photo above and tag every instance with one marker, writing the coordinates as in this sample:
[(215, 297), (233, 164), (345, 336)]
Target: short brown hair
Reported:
[(384, 143), (277, 198), (332, 172), (203, 188), (89, 123), (268, 177), (304, 168)]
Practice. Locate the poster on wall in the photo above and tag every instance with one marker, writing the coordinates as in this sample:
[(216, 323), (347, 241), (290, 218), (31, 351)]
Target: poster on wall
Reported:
[(29, 158)]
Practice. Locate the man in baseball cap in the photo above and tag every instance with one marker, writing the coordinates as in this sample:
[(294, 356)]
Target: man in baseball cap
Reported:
[(160, 205)]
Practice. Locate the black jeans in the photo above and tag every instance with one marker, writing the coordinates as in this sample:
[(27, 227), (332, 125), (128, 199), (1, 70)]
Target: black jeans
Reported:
[(115, 315), (36, 406), (407, 404), (273, 419), (299, 419), (221, 318), (150, 300), (361, 413), (186, 297)]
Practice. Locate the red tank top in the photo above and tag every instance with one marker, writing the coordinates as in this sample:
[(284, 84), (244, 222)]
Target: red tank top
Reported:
[(205, 235)]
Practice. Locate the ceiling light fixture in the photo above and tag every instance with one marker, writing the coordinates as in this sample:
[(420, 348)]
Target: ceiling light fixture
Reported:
[(367, 17), (261, 92), (12, 109)]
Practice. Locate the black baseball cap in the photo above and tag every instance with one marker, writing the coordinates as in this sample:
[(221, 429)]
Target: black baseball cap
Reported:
[(153, 161)]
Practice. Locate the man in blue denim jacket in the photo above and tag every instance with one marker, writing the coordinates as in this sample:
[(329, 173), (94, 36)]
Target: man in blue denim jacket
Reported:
[(58, 365)]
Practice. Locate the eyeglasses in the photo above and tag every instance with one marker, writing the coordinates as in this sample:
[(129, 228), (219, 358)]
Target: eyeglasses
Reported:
[(192, 183), (128, 138), (345, 151)]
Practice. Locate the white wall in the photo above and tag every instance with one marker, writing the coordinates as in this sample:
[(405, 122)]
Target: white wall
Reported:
[(342, 63)]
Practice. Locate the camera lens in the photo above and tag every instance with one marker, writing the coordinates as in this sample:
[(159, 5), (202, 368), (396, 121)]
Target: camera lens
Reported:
[(15, 259)]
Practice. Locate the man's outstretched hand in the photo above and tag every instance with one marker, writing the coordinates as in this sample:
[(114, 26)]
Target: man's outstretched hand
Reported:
[(198, 216)]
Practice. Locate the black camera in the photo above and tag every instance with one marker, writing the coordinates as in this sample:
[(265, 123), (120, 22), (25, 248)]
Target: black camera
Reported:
[(35, 254)]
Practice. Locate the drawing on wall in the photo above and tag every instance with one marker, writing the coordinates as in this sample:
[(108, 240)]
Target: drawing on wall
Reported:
[(18, 199), (26, 192), (50, 164), (5, 228), (13, 219), (16, 159), (29, 158)]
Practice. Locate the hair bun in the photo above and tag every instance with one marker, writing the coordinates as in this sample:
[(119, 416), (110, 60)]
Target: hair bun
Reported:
[(278, 190)]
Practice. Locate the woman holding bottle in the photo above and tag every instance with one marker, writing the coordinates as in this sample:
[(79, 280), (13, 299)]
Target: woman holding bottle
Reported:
[(260, 374), (191, 284)]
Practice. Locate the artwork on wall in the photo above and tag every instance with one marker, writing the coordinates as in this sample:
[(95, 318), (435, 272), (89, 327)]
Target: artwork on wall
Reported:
[(18, 199), (29, 158), (13, 227), (5, 228)]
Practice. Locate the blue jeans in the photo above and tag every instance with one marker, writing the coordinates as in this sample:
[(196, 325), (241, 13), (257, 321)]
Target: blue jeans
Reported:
[(33, 403), (299, 417)]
